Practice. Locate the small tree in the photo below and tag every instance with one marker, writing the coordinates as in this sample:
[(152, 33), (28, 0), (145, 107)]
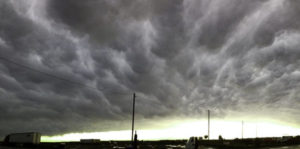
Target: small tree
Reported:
[(206, 136)]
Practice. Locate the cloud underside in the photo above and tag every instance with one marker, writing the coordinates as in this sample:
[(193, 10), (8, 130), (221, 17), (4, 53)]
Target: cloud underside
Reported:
[(180, 58)]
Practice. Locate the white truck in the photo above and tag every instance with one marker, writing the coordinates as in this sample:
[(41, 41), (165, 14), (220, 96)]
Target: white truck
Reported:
[(23, 138)]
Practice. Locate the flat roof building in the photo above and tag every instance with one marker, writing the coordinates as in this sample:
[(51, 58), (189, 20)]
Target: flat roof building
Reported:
[(26, 137)]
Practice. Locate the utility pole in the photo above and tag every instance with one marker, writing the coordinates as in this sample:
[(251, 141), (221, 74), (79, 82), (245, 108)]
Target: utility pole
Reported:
[(256, 130), (242, 129), (133, 108), (208, 125)]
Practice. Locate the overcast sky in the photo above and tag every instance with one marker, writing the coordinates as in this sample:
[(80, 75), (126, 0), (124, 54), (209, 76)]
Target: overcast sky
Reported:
[(239, 58)]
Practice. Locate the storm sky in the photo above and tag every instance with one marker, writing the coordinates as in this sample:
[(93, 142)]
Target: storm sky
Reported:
[(72, 65)]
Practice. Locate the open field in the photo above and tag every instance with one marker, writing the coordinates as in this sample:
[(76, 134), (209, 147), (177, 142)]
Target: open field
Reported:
[(176, 144)]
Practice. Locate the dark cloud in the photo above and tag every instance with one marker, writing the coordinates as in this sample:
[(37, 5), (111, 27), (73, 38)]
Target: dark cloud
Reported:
[(180, 57)]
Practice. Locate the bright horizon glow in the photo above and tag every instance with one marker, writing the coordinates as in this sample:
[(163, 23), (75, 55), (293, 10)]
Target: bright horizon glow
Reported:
[(228, 130)]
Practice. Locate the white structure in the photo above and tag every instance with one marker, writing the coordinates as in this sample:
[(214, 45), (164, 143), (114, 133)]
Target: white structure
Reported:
[(28, 137), (192, 143)]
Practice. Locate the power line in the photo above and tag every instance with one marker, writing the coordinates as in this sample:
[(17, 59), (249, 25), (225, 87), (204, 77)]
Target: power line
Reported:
[(57, 77)]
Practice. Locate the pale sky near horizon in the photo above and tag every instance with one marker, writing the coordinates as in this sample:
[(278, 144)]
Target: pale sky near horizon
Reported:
[(71, 67)]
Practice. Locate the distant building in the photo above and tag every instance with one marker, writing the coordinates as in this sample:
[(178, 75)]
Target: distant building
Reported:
[(286, 138), (89, 140), (23, 138)]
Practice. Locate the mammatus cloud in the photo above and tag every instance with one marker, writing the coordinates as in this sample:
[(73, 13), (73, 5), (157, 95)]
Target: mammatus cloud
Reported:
[(180, 57)]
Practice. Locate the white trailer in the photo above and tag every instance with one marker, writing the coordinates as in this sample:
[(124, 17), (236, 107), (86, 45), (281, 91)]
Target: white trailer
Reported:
[(24, 138)]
